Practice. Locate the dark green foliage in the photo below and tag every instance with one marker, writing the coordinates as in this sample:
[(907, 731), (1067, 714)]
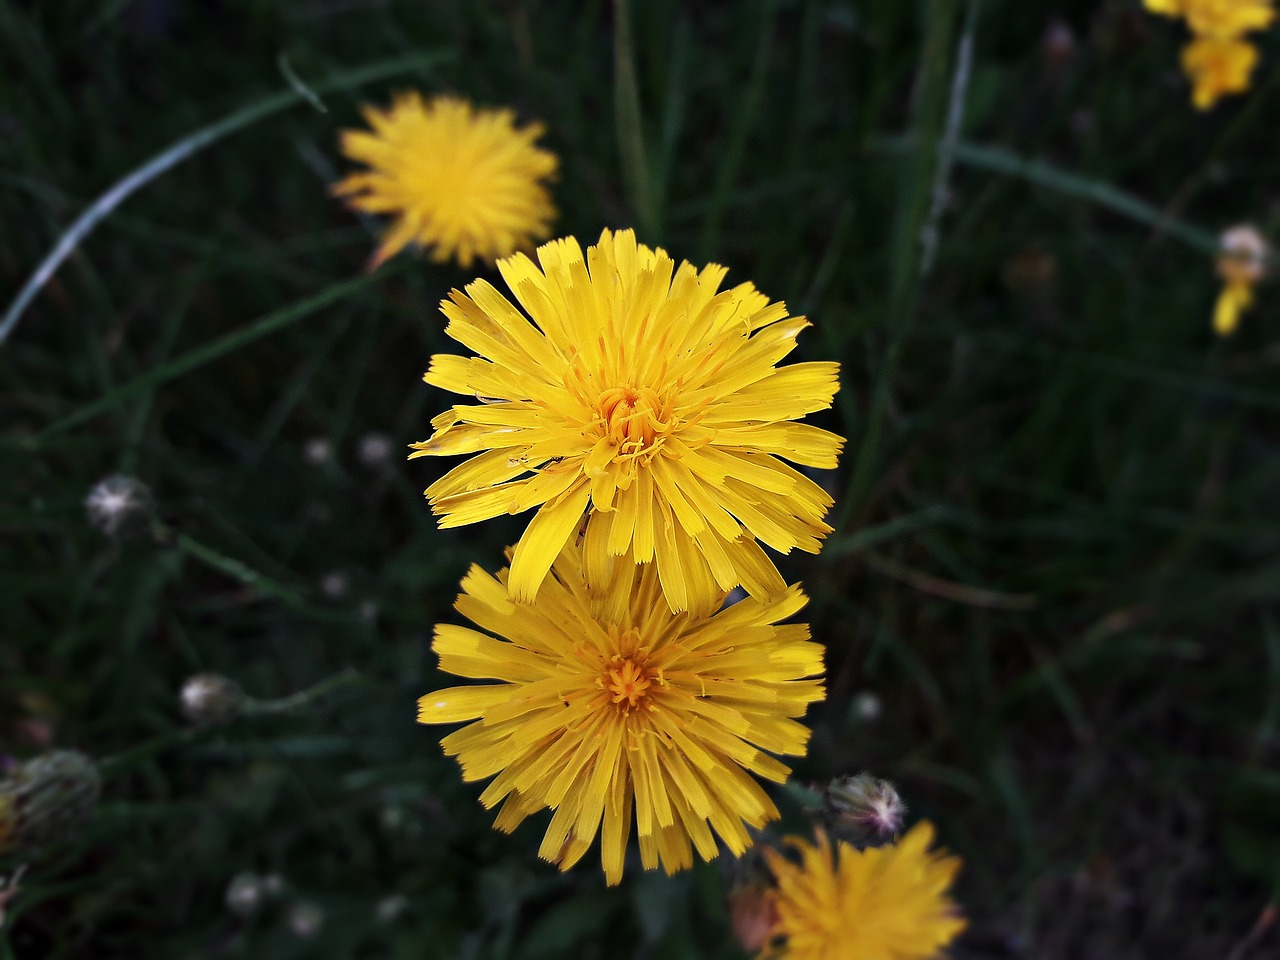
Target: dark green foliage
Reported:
[(1057, 560)]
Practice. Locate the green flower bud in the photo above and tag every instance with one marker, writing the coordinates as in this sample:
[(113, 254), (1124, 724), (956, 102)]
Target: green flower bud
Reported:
[(43, 799)]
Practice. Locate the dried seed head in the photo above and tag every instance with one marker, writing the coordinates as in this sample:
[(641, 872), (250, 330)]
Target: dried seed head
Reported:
[(44, 798), (121, 507), (865, 810), (210, 700)]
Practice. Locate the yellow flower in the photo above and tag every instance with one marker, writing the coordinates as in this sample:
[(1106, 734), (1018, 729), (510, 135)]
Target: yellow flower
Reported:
[(1217, 67), (1227, 19), (1168, 8), (645, 398), (1241, 265), (883, 903), (462, 182), (607, 702)]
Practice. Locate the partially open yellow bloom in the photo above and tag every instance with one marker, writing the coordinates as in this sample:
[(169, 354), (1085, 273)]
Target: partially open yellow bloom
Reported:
[(602, 702), (461, 182), (882, 903), (1216, 68), (643, 398), (1242, 263)]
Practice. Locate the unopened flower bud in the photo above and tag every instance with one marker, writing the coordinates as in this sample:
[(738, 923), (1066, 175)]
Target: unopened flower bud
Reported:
[(753, 916), (318, 451), (390, 908), (121, 507), (305, 919), (44, 798), (245, 894), (864, 809), (210, 700), (374, 449), (1244, 255)]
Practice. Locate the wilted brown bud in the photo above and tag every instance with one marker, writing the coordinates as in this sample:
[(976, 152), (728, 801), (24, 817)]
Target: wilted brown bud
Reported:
[(1058, 47), (44, 798), (753, 915)]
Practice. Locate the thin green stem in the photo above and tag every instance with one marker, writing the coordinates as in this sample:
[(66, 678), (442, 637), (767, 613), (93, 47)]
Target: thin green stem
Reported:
[(185, 148)]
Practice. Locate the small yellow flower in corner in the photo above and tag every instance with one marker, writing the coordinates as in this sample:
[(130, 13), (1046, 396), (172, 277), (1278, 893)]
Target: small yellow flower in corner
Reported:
[(882, 903), (1242, 263), (1219, 60), (1217, 68), (601, 704), (460, 181)]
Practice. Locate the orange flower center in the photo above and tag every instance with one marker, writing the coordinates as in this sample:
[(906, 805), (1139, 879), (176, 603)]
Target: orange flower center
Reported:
[(635, 419), (627, 683)]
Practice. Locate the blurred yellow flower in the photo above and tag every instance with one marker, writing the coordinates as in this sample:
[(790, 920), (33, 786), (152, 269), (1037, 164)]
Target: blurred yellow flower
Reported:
[(1242, 263), (643, 398), (882, 903), (607, 702), (460, 181), (1227, 19), (1219, 60), (1217, 67)]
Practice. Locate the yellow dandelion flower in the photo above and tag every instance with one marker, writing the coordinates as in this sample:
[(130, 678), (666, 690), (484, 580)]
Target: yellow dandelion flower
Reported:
[(1227, 19), (1242, 263), (644, 396), (1167, 8), (882, 903), (606, 702), (461, 182), (1216, 68)]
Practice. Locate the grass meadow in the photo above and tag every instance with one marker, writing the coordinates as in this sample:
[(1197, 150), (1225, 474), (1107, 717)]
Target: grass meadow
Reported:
[(1049, 605)]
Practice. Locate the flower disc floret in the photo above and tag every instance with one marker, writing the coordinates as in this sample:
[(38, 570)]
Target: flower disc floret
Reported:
[(605, 706), (460, 181), (882, 903), (645, 398)]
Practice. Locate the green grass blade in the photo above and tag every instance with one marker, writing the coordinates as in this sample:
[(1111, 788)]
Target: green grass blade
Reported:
[(198, 357), (185, 148)]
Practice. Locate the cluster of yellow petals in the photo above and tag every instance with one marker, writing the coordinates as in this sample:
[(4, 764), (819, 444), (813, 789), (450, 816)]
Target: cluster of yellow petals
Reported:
[(641, 396), (602, 703), (882, 903), (461, 182), (1219, 60)]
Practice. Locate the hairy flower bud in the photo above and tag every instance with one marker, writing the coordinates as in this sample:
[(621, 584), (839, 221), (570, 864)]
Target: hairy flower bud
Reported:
[(44, 798), (210, 700), (864, 809), (121, 507)]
